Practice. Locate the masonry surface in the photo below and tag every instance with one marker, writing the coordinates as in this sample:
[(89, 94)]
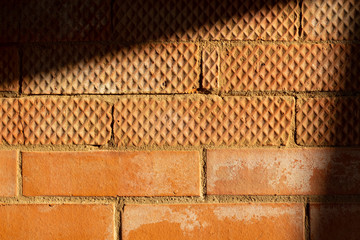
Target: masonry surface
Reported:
[(174, 119)]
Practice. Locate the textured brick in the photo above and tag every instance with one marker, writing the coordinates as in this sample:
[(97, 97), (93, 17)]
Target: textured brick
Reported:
[(210, 68), (250, 20), (8, 173), (27, 222), (10, 124), (316, 171), (9, 21), (328, 121), (111, 173), (139, 21), (331, 19), (214, 221), (159, 68), (297, 67), (69, 20), (204, 120), (9, 69), (335, 221), (65, 121)]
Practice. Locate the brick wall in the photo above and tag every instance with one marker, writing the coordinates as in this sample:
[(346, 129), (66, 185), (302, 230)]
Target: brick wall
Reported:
[(174, 119)]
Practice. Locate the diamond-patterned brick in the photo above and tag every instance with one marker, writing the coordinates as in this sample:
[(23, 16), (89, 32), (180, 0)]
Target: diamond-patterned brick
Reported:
[(210, 68), (9, 21), (250, 20), (9, 69), (331, 19), (297, 67), (10, 124), (328, 121), (159, 68), (139, 21), (204, 120), (69, 20), (65, 121)]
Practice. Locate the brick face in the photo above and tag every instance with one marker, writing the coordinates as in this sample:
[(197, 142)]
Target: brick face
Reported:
[(150, 68), (317, 171), (328, 121), (9, 69), (37, 221), (65, 121), (10, 125), (214, 221), (215, 121), (334, 221), (331, 20), (8, 180), (111, 173)]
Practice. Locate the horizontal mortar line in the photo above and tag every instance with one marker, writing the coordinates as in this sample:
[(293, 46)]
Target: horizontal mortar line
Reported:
[(198, 94), (200, 41), (221, 199)]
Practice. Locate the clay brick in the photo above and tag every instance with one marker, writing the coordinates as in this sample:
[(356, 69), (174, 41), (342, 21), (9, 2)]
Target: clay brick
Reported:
[(152, 68), (159, 173), (140, 21), (250, 20), (328, 121), (210, 68), (9, 21), (9, 69), (69, 20), (66, 222), (297, 67), (65, 121), (316, 171), (8, 168), (331, 19), (334, 221), (214, 221), (204, 120), (10, 124)]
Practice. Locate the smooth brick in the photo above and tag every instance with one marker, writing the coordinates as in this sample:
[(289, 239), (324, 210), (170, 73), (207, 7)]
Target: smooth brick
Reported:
[(113, 69), (10, 123), (43, 222), (8, 168), (65, 121), (328, 121), (204, 120), (316, 171), (214, 221), (335, 221), (9, 69), (331, 19), (69, 20), (295, 67), (159, 173)]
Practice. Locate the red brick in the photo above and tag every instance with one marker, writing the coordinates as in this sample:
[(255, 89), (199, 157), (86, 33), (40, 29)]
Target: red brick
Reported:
[(65, 121), (295, 67), (331, 19), (159, 173), (204, 120), (9, 69), (150, 68), (11, 130), (214, 221), (328, 121), (69, 20), (211, 68), (316, 171), (8, 168), (43, 222), (334, 221)]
